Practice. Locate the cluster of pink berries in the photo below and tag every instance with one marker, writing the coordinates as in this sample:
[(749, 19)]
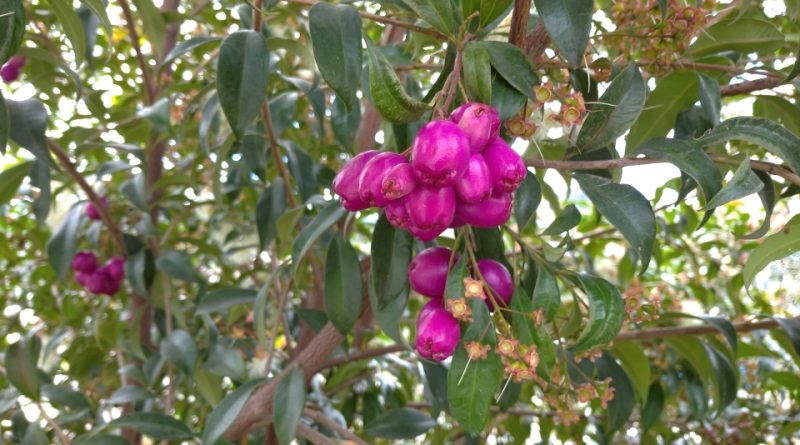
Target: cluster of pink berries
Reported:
[(10, 71), (98, 280), (460, 172), (438, 329)]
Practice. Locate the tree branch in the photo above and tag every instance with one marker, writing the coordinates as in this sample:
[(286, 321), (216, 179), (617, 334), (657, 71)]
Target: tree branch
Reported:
[(149, 86), (677, 331), (329, 423), (765, 83), (519, 22)]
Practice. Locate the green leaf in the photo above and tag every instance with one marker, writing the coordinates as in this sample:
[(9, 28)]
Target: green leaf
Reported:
[(129, 394), (326, 217), (710, 97), (774, 247), (568, 23), (388, 95), (10, 180), (625, 208), (290, 396), (222, 299), (438, 13), (546, 295), (155, 425), (527, 199), (27, 125), (100, 439), (606, 313), (21, 369), (744, 182), (391, 254), (492, 10), (71, 24), (454, 286), (615, 111), (178, 265), (512, 65), (791, 326), (12, 28), (725, 377), (227, 411), (343, 285), (674, 93), (62, 246), (778, 109), (136, 268), (344, 124), (565, 221), (471, 399), (521, 307), (743, 35), (621, 406), (224, 360), (636, 365), (153, 22), (477, 72), (651, 411), (242, 78), (271, 205), (400, 423), (180, 348), (302, 167), (336, 38), (5, 121), (690, 159), (185, 47), (98, 7)]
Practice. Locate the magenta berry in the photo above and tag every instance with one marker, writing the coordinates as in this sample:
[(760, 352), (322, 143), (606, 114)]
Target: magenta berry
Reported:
[(9, 73), (427, 272), (425, 234), (396, 214), (371, 179), (508, 170), (100, 282), (84, 262), (399, 181), (345, 184), (116, 268), (456, 114), (476, 183), (438, 332), (82, 278), (481, 124), (492, 212), (440, 154), (498, 278), (431, 209), (92, 212)]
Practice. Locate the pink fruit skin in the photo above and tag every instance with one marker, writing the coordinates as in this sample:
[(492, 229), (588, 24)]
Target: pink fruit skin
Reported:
[(481, 124), (100, 282), (438, 332), (476, 183), (425, 234), (396, 214), (345, 184), (116, 268), (440, 154), (431, 209), (399, 182), (498, 278), (429, 307), (84, 262), (508, 170), (456, 114), (9, 73), (427, 272), (92, 212), (371, 179), (492, 212)]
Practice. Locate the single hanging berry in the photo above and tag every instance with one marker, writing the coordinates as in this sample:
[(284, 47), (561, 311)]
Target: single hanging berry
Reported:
[(371, 179), (438, 332), (480, 123), (508, 170), (491, 212), (440, 154), (498, 279), (427, 272), (430, 210), (476, 183), (92, 212)]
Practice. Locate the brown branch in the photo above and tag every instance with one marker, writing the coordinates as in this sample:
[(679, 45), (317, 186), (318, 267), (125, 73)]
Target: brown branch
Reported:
[(519, 22), (257, 6), (677, 331), (765, 83), (365, 354), (329, 423), (310, 434), (149, 86)]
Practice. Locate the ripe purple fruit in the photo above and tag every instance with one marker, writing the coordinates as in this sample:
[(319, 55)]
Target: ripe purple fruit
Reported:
[(476, 183), (345, 184), (492, 212), (508, 170), (116, 268), (427, 272), (101, 282), (481, 124), (369, 183), (456, 114), (84, 262), (438, 332), (11, 70), (431, 209), (440, 154), (92, 212), (498, 279), (396, 214), (399, 181)]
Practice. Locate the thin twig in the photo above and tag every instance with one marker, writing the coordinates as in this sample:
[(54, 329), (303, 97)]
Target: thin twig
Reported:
[(62, 436), (322, 419), (736, 89), (278, 316), (257, 6), (149, 86), (365, 354), (276, 153), (313, 435), (167, 294), (678, 331)]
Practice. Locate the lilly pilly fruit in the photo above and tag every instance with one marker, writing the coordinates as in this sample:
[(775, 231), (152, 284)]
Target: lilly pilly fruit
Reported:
[(438, 332)]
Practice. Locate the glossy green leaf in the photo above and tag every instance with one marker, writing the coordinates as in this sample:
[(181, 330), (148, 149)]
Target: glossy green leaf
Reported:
[(773, 248), (242, 78), (226, 361), (136, 271), (326, 217), (302, 167), (742, 35), (270, 206), (71, 24), (5, 121), (477, 72), (778, 109), (791, 326), (690, 159), (180, 349), (693, 351), (492, 10), (546, 295), (651, 411), (606, 313), (100, 439), (185, 47), (725, 377), (391, 254), (674, 93), (344, 124), (10, 180), (155, 425), (178, 265), (129, 394), (343, 285), (152, 21), (435, 385), (454, 287), (20, 369), (400, 423), (625, 208), (615, 111), (512, 65), (336, 38), (621, 406), (710, 97), (568, 23), (636, 365), (388, 95), (527, 199), (222, 299), (565, 221), (12, 28), (441, 14), (290, 396), (27, 125), (62, 246), (744, 182)]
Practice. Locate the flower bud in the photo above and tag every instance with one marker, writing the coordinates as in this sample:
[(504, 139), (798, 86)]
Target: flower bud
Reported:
[(492, 212), (508, 170), (92, 212), (369, 183), (498, 278), (396, 213), (399, 181), (84, 262), (427, 272), (440, 154), (345, 184), (476, 183), (116, 268), (438, 332), (481, 124), (431, 209)]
